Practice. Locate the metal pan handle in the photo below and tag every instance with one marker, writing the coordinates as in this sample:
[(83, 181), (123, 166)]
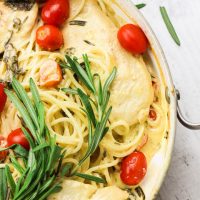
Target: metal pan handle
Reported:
[(182, 119)]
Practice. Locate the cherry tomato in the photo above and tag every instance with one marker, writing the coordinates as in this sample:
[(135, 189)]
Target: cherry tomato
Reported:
[(3, 144), (133, 39), (49, 37), (3, 97), (17, 137), (152, 114), (133, 168), (50, 74), (55, 12)]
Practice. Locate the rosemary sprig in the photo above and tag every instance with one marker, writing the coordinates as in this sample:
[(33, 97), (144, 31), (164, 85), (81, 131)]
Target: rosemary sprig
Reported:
[(96, 124), (41, 163), (141, 5), (169, 25)]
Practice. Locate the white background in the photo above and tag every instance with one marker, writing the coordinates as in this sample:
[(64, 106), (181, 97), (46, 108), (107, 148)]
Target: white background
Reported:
[(183, 178)]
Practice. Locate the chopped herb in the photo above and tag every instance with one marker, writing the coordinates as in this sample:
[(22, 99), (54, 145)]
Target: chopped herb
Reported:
[(169, 25), (167, 95), (136, 193), (88, 42), (78, 22), (140, 192), (141, 5)]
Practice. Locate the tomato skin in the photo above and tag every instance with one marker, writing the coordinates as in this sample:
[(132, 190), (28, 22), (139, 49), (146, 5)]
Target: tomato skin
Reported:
[(55, 12), (3, 144), (3, 97), (17, 137), (133, 168), (152, 114), (49, 37), (133, 39)]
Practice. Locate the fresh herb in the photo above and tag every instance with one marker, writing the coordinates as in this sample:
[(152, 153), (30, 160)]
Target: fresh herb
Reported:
[(90, 177), (97, 128), (78, 22), (42, 163), (141, 5), (88, 42), (169, 25), (3, 185)]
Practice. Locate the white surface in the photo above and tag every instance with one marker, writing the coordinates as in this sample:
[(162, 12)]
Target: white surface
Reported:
[(183, 179)]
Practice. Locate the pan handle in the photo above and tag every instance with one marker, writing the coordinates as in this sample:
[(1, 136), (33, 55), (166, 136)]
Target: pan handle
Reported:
[(182, 119)]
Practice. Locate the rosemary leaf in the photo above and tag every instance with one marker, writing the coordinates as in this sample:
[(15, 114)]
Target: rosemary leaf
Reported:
[(109, 82), (10, 180), (90, 177), (28, 137), (87, 67), (141, 5), (78, 22), (88, 42), (82, 75), (21, 151), (169, 25), (56, 188), (22, 95), (23, 111), (65, 169), (85, 99), (3, 184), (69, 91), (34, 91)]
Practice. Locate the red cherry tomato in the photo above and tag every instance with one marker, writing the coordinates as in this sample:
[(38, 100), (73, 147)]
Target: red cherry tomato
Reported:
[(152, 114), (55, 12), (133, 168), (17, 137), (133, 39), (3, 97), (3, 144), (49, 37)]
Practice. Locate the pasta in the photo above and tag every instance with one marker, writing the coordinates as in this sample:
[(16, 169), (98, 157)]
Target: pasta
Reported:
[(63, 114)]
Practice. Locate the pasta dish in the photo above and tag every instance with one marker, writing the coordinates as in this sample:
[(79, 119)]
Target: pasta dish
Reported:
[(82, 110)]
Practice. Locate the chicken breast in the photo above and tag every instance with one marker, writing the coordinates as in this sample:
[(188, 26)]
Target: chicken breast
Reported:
[(109, 193), (131, 93), (74, 190), (16, 23)]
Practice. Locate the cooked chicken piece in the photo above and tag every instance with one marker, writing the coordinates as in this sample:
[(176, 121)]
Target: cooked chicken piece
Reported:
[(74, 190), (132, 93), (15, 24), (109, 193)]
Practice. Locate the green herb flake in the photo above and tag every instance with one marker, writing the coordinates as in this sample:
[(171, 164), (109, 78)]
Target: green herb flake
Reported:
[(141, 5)]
